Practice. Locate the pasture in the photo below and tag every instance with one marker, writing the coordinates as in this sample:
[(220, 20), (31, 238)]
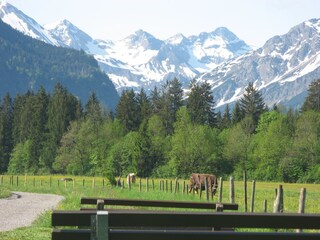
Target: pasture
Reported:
[(99, 187)]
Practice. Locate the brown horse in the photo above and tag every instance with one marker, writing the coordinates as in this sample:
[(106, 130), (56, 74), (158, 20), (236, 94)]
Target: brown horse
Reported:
[(198, 181)]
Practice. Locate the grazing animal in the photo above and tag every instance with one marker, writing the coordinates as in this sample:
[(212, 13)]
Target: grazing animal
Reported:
[(131, 178), (197, 181)]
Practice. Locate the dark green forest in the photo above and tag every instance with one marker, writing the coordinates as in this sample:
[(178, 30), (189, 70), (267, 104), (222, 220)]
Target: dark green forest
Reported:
[(27, 64), (160, 135)]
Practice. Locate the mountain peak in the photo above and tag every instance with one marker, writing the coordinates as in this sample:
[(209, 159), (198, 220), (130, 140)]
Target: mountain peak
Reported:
[(144, 39), (176, 39), (225, 33)]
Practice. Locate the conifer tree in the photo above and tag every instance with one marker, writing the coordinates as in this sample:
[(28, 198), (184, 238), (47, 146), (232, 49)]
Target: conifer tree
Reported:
[(144, 106), (226, 118), (126, 111), (6, 141), (200, 104), (252, 104), (312, 101), (236, 114)]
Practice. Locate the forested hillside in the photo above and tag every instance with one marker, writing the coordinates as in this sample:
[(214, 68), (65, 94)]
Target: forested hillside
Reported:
[(161, 135), (27, 64)]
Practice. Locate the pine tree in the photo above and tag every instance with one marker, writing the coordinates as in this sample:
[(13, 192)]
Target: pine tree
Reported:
[(155, 101), (252, 104), (312, 101), (200, 104), (176, 95), (170, 102), (144, 106), (126, 111), (226, 118), (6, 140), (236, 114), (62, 110)]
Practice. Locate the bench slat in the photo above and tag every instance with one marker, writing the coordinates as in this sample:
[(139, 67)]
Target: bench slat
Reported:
[(205, 235), (72, 218), (77, 234), (154, 203), (134, 218)]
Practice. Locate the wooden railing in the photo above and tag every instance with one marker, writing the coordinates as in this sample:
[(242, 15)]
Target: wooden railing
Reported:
[(113, 224)]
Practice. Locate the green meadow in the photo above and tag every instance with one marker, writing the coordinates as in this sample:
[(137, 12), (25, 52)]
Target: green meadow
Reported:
[(99, 187)]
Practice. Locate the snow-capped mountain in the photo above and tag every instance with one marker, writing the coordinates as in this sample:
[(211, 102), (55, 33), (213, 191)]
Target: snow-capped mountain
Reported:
[(282, 69), (139, 60), (21, 22)]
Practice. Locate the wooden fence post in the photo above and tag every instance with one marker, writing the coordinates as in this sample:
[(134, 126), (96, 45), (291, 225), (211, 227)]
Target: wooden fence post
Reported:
[(245, 191), (93, 183), (139, 184), (176, 186), (129, 182), (100, 204), (166, 185), (265, 206), (302, 202), (231, 190), (278, 204), (25, 180), (152, 184), (220, 189), (147, 184), (83, 183), (252, 195)]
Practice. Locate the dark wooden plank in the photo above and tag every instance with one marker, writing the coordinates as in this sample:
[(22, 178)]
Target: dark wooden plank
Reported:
[(77, 234), (154, 203), (71, 218), (131, 218), (192, 235)]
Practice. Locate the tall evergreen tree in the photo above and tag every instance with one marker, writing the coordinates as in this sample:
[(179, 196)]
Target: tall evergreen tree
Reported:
[(226, 117), (171, 101), (155, 100), (312, 101), (252, 104), (62, 109), (176, 96), (39, 130), (236, 114), (200, 104), (6, 141), (126, 111), (144, 106)]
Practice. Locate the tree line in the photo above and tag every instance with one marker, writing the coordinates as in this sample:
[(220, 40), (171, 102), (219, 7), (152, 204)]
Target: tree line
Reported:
[(163, 134)]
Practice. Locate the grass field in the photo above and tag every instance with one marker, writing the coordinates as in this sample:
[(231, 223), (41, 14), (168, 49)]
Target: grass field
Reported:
[(98, 187)]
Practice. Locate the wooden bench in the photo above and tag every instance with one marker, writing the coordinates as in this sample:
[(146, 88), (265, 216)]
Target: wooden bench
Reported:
[(181, 225)]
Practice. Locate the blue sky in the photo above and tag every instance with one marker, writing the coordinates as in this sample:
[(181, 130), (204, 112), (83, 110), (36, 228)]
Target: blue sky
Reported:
[(254, 21)]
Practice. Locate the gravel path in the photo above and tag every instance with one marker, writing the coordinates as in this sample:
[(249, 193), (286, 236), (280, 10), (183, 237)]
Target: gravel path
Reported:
[(22, 208)]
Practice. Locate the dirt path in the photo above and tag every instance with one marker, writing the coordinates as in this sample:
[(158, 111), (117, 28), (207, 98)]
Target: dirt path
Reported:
[(22, 208)]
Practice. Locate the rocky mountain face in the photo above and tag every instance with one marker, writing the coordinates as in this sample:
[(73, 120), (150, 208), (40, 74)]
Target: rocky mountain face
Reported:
[(282, 69), (139, 60)]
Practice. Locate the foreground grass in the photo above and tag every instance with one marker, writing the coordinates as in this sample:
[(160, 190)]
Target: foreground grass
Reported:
[(4, 192), (87, 187)]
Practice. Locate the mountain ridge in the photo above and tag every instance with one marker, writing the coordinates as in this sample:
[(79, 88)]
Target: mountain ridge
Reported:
[(281, 69)]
